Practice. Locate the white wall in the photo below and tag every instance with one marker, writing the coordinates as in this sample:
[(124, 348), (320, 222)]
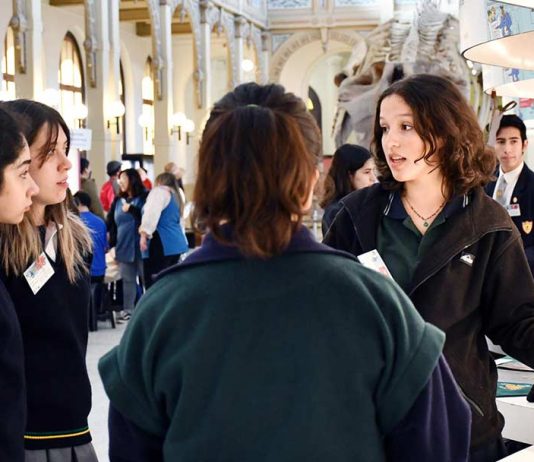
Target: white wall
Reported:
[(321, 78)]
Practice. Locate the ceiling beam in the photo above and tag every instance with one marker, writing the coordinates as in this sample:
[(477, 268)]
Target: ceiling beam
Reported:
[(134, 14), (143, 29), (65, 2)]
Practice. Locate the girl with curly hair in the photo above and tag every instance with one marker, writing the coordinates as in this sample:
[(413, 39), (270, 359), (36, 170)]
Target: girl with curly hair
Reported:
[(453, 250)]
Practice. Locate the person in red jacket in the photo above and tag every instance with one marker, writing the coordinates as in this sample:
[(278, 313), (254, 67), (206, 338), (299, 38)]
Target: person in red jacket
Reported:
[(111, 187)]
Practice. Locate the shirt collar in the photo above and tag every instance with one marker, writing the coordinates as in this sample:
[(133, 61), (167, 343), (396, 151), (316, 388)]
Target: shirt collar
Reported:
[(212, 250), (395, 208), (512, 175), (50, 240)]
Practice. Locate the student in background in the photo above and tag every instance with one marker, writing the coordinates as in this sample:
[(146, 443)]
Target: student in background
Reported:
[(144, 178), (123, 223), (16, 191), (162, 238), (514, 188), (352, 168), (98, 230), (46, 259), (110, 189), (88, 185), (226, 360), (453, 250)]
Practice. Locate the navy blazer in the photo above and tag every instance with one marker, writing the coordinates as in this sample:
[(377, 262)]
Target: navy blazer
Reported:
[(523, 194)]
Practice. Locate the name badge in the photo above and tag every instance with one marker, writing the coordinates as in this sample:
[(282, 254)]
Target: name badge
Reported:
[(38, 273), (513, 210), (373, 260)]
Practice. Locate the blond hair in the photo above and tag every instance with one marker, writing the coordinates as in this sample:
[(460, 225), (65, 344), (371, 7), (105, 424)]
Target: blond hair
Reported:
[(21, 244)]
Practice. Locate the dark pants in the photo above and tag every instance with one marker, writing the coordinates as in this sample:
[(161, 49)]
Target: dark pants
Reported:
[(97, 294), (152, 267), (157, 261)]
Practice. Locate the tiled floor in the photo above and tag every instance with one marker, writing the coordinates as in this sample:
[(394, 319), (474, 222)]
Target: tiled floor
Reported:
[(100, 342)]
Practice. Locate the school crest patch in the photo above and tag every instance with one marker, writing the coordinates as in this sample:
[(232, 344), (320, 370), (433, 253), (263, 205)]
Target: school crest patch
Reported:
[(527, 226)]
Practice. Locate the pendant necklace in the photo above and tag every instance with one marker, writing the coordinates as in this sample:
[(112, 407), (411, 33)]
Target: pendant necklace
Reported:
[(425, 220)]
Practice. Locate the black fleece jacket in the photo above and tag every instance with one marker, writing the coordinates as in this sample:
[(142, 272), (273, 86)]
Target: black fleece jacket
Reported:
[(494, 296)]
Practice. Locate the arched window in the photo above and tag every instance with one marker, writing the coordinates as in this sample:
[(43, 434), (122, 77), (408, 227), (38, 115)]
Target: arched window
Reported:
[(147, 117), (7, 84), (122, 96), (71, 82)]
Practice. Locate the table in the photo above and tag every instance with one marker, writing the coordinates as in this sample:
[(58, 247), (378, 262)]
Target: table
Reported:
[(517, 411)]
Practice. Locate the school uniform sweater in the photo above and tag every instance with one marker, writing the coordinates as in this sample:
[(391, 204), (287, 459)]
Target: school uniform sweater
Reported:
[(54, 325), (12, 384), (304, 356)]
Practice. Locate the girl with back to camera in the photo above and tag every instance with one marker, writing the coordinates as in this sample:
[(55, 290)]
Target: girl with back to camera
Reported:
[(264, 345), (162, 239), (453, 250), (46, 259), (16, 191), (352, 169)]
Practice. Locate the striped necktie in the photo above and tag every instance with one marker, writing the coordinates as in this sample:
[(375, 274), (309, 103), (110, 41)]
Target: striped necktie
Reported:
[(500, 195)]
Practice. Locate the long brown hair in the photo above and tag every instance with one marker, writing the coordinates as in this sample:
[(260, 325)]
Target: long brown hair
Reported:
[(347, 159), (169, 179), (449, 128), (257, 160), (21, 244)]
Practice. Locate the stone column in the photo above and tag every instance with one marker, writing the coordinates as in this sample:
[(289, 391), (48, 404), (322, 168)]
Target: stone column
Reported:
[(27, 23), (265, 55), (103, 90), (238, 47), (204, 66), (164, 143)]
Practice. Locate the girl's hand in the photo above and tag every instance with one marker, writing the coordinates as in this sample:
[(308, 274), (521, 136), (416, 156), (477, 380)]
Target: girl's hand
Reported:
[(125, 207), (143, 245)]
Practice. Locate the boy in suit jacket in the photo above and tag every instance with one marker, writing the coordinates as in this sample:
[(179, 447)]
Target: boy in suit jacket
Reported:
[(514, 188)]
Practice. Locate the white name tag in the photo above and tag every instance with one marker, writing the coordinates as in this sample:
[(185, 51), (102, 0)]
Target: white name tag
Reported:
[(373, 260), (513, 210), (38, 273)]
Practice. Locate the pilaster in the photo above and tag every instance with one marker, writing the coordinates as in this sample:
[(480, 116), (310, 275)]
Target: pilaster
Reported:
[(27, 24), (164, 143)]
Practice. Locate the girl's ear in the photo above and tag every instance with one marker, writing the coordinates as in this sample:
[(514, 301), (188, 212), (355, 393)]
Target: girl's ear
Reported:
[(307, 203)]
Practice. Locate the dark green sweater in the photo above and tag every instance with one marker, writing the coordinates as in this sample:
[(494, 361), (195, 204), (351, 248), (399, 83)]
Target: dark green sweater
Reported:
[(306, 356)]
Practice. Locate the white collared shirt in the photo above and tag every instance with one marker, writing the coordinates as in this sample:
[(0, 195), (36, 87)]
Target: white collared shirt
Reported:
[(511, 180), (50, 244)]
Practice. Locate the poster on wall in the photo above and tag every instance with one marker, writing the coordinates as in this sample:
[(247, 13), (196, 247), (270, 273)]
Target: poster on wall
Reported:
[(504, 20)]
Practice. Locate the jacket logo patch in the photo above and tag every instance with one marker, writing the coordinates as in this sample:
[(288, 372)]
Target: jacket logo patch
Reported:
[(468, 259), (527, 226)]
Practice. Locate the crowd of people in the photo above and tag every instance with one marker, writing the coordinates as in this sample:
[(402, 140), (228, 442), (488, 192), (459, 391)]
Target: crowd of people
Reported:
[(263, 344)]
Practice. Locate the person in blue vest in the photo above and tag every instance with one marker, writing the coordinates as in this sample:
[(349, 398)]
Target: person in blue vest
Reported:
[(98, 230), (264, 345), (123, 222), (16, 191), (514, 187), (162, 238)]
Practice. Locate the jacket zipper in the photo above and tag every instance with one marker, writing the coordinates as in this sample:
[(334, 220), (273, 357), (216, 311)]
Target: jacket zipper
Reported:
[(452, 256), (472, 403)]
